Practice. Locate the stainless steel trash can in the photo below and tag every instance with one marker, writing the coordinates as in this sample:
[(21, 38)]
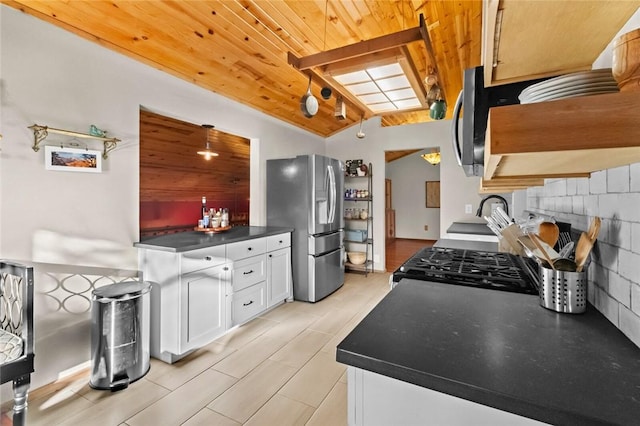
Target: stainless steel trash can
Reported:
[(120, 334)]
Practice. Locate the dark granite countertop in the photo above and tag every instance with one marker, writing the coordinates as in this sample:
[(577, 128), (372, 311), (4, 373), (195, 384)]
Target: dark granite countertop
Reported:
[(502, 350), (475, 228), (186, 241)]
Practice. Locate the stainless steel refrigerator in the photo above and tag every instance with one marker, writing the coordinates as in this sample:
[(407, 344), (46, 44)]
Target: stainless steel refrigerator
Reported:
[(306, 193)]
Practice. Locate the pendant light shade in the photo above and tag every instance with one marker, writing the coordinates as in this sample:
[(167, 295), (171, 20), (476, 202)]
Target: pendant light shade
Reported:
[(207, 152)]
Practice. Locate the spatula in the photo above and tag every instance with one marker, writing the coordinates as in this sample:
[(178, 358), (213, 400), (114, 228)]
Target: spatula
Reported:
[(583, 248), (594, 228), (549, 233)]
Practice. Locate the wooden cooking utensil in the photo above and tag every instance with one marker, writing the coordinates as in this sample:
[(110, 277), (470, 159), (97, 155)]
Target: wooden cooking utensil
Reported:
[(545, 255), (549, 233), (594, 228), (583, 248)]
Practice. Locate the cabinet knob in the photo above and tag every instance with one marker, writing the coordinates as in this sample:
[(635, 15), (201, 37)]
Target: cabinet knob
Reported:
[(248, 272), (249, 249), (226, 268), (248, 303), (208, 258), (280, 242), (270, 255)]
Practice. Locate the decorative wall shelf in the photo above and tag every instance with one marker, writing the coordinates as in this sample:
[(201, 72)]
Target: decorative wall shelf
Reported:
[(40, 133)]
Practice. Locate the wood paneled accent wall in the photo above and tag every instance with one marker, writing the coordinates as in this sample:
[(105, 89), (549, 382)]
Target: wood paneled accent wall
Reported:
[(174, 178)]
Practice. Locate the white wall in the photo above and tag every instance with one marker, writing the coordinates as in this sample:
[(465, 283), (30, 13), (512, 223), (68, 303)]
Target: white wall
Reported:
[(456, 189), (86, 224), (408, 176)]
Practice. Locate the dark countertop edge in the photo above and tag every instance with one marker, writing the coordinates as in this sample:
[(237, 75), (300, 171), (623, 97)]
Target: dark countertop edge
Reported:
[(212, 239), (547, 413), (467, 244), (473, 228)]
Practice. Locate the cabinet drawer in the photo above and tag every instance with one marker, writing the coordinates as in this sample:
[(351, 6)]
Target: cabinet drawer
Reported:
[(276, 242), (247, 248), (249, 271), (248, 303), (195, 260)]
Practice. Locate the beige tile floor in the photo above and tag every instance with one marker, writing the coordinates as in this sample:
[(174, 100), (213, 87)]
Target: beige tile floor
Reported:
[(278, 369)]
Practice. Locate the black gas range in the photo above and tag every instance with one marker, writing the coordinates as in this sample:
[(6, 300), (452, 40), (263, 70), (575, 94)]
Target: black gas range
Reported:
[(491, 270)]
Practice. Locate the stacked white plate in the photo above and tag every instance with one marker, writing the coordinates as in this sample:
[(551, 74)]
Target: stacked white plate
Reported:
[(583, 83)]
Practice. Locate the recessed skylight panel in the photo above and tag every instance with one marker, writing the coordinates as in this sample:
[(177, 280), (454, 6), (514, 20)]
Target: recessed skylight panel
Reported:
[(385, 71), (393, 83), (352, 78)]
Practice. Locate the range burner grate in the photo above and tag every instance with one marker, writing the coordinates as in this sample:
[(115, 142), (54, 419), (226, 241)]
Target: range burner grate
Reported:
[(500, 271)]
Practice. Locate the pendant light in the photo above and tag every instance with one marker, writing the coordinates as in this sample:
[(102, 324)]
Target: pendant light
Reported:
[(207, 152), (360, 134)]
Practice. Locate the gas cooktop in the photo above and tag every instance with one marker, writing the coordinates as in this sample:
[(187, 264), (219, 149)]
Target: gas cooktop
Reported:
[(497, 271)]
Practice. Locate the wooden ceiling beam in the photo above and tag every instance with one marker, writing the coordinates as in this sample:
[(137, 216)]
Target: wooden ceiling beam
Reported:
[(362, 48)]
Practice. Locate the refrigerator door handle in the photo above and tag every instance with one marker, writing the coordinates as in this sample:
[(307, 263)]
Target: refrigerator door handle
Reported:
[(332, 194)]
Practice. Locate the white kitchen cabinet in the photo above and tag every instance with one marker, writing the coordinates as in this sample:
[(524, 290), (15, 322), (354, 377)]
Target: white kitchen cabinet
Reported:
[(377, 400), (188, 299), (279, 277), (199, 294), (248, 302), (203, 294), (249, 271)]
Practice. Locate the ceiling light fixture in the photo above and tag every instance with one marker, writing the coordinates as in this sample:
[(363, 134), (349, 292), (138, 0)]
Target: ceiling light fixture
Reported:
[(432, 158), (207, 152)]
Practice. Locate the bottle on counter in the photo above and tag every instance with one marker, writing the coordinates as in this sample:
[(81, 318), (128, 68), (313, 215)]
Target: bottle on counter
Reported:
[(218, 218), (225, 218), (203, 221), (212, 214)]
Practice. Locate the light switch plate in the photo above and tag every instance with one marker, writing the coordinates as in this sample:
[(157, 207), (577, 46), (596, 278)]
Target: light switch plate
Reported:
[(468, 208)]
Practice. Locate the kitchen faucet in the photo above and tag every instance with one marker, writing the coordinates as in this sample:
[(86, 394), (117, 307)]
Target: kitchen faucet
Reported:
[(504, 203)]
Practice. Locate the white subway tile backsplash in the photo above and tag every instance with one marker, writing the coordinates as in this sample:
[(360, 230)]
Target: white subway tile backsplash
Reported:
[(605, 255), (629, 265), (635, 298), (617, 233), (634, 177), (614, 274), (608, 206), (635, 238), (608, 306), (618, 179), (620, 289), (630, 325), (590, 206), (582, 186), (629, 207), (577, 204), (598, 182)]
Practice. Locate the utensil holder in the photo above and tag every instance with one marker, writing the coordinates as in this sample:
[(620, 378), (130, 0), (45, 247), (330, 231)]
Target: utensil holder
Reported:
[(563, 291)]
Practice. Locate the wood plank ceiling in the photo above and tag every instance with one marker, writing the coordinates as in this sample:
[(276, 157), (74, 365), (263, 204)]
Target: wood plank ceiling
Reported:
[(238, 48)]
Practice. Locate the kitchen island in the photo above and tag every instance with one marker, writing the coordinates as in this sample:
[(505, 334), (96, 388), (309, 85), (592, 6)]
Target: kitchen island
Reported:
[(203, 285), (474, 356)]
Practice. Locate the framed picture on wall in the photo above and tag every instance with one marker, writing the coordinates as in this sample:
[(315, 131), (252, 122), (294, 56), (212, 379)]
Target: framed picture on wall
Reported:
[(72, 159), (433, 194)]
